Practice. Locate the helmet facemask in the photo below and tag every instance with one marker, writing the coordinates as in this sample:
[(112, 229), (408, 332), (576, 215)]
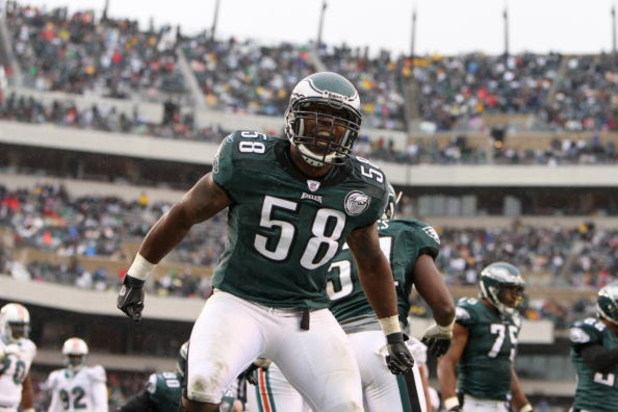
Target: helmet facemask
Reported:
[(391, 203), (323, 119)]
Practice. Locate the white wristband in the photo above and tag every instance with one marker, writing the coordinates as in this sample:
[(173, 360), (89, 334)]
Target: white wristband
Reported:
[(141, 268), (451, 402), (390, 325), (526, 408), (447, 328)]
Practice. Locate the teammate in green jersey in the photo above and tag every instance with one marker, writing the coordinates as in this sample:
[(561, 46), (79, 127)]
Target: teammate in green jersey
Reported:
[(484, 346), (411, 247), (292, 204), (163, 390), (595, 355)]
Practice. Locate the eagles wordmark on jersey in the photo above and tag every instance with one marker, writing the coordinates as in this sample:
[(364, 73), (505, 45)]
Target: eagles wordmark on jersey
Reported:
[(275, 209), (484, 370)]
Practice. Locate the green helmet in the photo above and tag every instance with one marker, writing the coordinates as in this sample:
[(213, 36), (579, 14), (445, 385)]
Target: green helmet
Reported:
[(391, 203), (607, 302), (330, 100), (183, 355), (495, 278)]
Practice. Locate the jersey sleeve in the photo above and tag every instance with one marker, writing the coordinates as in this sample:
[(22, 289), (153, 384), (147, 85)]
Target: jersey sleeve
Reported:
[(424, 238), (97, 374), (586, 332), (465, 313)]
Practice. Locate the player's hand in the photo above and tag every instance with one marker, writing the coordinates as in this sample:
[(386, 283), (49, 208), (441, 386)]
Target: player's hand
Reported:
[(399, 359), (131, 297), (249, 373), (12, 349), (438, 339)]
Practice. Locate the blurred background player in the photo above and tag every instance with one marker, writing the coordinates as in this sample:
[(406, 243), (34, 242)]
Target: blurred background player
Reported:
[(484, 346), (16, 355), (163, 390), (77, 387), (411, 246), (595, 355)]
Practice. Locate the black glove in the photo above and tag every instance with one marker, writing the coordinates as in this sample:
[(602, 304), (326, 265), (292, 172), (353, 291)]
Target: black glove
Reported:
[(399, 359), (438, 339), (456, 408), (249, 374), (131, 297)]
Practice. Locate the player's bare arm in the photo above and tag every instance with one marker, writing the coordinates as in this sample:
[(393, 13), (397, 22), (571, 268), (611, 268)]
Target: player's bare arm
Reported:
[(519, 401), (448, 362), (204, 200), (373, 270), (430, 285), (27, 394)]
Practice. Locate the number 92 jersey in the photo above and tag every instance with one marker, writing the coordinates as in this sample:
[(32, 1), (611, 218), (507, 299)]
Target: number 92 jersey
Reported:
[(284, 228), (595, 391)]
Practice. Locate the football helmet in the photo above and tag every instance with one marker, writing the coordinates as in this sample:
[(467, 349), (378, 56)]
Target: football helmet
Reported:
[(183, 356), (495, 278), (323, 118), (14, 322), (607, 302), (391, 202), (75, 352)]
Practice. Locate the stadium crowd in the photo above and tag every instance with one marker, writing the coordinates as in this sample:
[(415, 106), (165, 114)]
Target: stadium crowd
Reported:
[(86, 54)]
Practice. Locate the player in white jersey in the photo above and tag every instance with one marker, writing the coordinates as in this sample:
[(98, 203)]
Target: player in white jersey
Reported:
[(77, 387), (16, 355)]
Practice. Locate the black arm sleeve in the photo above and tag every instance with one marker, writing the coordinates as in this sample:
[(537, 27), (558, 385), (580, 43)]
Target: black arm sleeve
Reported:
[(599, 358), (139, 403)]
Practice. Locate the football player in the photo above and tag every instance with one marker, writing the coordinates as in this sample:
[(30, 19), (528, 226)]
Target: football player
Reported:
[(163, 390), (484, 346), (77, 387), (411, 247), (16, 355), (292, 204), (595, 355)]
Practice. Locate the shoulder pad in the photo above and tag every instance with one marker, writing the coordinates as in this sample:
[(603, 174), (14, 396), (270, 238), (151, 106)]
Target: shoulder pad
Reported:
[(151, 386), (97, 373)]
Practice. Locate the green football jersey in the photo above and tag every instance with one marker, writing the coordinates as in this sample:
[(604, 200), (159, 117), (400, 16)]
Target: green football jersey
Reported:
[(165, 390), (485, 368), (403, 241), (284, 228), (596, 392)]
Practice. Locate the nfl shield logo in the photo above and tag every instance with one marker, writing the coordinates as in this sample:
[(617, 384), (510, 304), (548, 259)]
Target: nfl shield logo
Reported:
[(313, 185)]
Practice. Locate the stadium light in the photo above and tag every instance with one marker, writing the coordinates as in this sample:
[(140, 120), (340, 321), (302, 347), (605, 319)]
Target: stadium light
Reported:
[(321, 25)]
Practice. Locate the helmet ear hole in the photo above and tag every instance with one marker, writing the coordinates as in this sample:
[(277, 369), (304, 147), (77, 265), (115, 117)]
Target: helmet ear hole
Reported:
[(607, 302)]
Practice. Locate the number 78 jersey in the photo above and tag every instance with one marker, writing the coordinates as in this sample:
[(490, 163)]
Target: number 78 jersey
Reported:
[(284, 228)]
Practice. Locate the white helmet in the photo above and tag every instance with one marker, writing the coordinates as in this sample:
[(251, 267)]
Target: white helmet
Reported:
[(330, 100), (75, 352), (14, 322)]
